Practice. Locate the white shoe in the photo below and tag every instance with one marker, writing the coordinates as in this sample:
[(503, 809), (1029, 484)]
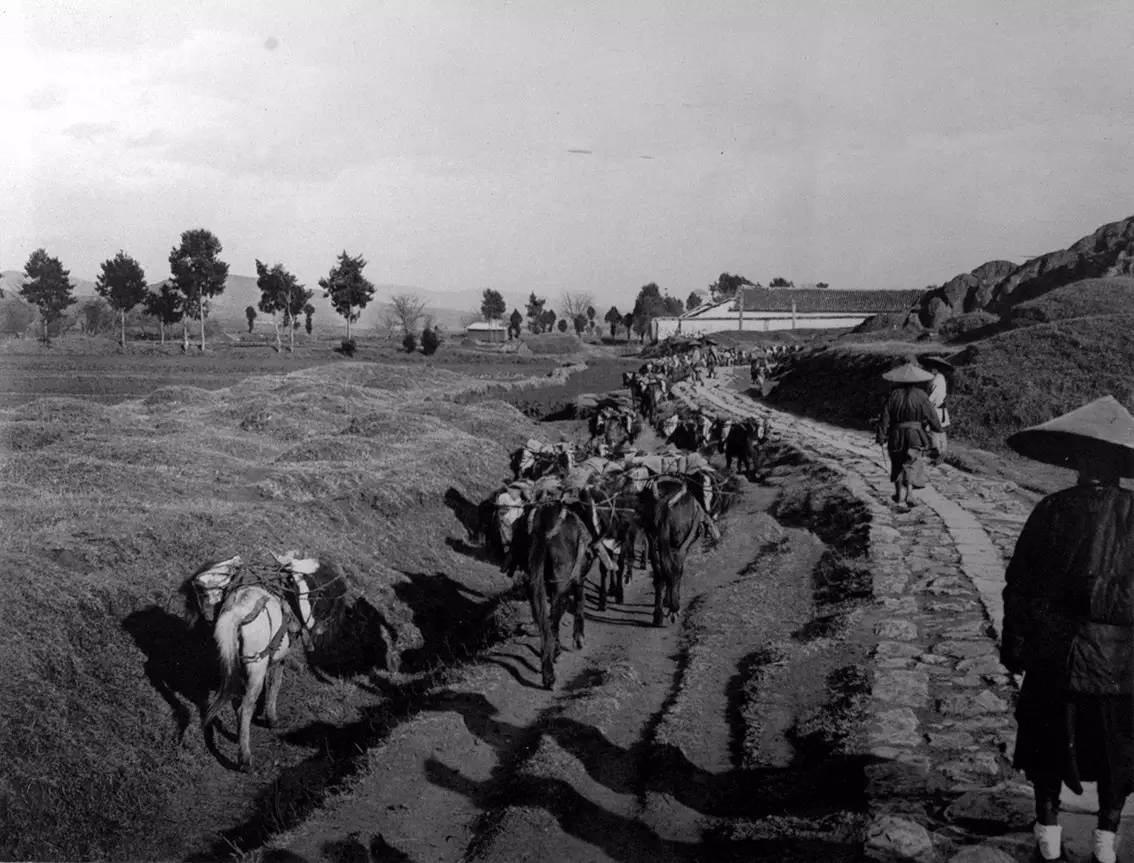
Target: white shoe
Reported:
[(1104, 842), (1049, 837)]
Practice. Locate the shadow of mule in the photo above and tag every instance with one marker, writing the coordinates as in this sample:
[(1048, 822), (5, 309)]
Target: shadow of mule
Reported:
[(181, 660)]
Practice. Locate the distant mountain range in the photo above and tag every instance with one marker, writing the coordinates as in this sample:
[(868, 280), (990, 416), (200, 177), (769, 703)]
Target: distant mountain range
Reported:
[(446, 308)]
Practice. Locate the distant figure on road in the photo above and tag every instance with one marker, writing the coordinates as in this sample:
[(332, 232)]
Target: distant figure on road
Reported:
[(902, 429), (938, 390), (1069, 622)]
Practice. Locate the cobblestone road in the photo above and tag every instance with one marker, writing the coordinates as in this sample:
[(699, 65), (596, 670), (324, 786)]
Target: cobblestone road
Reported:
[(940, 783)]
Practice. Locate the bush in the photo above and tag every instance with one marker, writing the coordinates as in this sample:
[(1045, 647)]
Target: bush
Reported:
[(409, 342), (979, 323), (348, 347), (430, 341)]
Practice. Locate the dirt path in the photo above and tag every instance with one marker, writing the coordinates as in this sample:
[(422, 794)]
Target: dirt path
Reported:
[(941, 786), (704, 739)]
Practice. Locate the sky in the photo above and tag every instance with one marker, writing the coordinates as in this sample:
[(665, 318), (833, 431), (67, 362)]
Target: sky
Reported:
[(566, 146)]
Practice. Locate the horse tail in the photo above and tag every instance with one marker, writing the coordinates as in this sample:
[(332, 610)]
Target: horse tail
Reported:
[(226, 634)]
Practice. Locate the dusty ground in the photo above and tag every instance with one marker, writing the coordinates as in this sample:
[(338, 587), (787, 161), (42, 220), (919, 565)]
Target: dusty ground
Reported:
[(721, 737)]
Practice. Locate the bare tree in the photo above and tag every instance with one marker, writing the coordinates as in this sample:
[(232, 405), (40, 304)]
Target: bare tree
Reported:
[(575, 303), (404, 313)]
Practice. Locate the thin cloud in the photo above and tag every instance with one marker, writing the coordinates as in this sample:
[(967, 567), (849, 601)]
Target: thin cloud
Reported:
[(579, 152), (45, 98), (89, 131)]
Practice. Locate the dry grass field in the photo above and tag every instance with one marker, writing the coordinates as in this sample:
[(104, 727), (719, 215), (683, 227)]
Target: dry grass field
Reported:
[(110, 507)]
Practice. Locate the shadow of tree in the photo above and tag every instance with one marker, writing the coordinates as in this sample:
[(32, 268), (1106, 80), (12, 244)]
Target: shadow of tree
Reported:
[(454, 620), (355, 641)]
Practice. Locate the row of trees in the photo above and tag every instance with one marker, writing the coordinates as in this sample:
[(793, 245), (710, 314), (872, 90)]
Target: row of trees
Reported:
[(197, 275)]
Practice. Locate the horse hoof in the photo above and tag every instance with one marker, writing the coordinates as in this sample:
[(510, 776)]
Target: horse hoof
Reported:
[(579, 643), (658, 620)]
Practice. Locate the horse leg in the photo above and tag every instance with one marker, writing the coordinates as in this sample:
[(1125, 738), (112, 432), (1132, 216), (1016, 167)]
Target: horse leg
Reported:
[(579, 619), (658, 581), (275, 680), (604, 574), (537, 593), (253, 685)]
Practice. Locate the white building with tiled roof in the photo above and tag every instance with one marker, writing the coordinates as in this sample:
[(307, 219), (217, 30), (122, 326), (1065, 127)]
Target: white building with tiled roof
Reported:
[(770, 309)]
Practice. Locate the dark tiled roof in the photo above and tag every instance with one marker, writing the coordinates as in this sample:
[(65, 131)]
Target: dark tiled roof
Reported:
[(827, 300)]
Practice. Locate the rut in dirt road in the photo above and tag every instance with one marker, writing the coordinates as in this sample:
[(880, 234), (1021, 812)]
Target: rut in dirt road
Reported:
[(724, 735)]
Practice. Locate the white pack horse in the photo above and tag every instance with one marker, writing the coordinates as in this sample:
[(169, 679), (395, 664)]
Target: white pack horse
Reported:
[(251, 634)]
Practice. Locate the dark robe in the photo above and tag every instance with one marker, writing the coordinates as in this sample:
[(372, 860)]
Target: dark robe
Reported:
[(907, 412), (1069, 627)]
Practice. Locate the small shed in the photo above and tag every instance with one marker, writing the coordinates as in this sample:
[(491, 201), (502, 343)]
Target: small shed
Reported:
[(489, 331)]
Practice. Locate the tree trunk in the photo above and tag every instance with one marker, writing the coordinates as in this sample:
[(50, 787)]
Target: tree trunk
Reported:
[(184, 336), (349, 310), (276, 327), (291, 333), (161, 329), (123, 329), (202, 310)]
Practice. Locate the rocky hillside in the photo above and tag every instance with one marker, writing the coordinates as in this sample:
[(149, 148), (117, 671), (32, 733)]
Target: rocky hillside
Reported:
[(999, 285)]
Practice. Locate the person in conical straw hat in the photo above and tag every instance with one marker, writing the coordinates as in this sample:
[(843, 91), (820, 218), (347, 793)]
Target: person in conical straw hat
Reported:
[(1069, 622), (907, 419), (938, 390)]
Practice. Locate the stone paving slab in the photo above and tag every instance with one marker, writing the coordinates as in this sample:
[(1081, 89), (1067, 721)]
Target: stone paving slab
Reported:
[(942, 787)]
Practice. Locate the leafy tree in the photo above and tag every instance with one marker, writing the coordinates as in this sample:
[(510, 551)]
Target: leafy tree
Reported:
[(692, 301), (166, 304), (122, 283), (580, 322), (562, 325), (515, 321), (250, 313), (534, 311), (47, 287), (647, 306), (628, 323), (780, 282), (197, 272), (347, 288), (308, 314), (95, 316), (281, 293), (822, 285), (547, 321), (405, 312), (15, 316), (672, 305), (726, 286), (591, 318), (492, 306), (614, 318), (430, 341), (409, 342)]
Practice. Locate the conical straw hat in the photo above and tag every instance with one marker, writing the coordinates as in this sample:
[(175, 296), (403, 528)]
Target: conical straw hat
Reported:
[(1103, 425), (908, 374)]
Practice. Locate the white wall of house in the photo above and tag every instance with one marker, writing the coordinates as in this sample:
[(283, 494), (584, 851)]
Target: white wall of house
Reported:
[(756, 322)]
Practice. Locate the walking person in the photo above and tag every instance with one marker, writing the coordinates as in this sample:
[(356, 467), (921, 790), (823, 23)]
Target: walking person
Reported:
[(902, 429), (938, 391), (1069, 622)]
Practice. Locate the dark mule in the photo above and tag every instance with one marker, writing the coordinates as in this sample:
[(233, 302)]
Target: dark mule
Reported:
[(616, 526), (743, 443), (557, 543), (674, 512), (653, 393)]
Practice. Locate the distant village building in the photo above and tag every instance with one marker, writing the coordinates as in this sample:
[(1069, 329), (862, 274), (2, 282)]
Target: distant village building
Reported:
[(489, 331), (769, 309)]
